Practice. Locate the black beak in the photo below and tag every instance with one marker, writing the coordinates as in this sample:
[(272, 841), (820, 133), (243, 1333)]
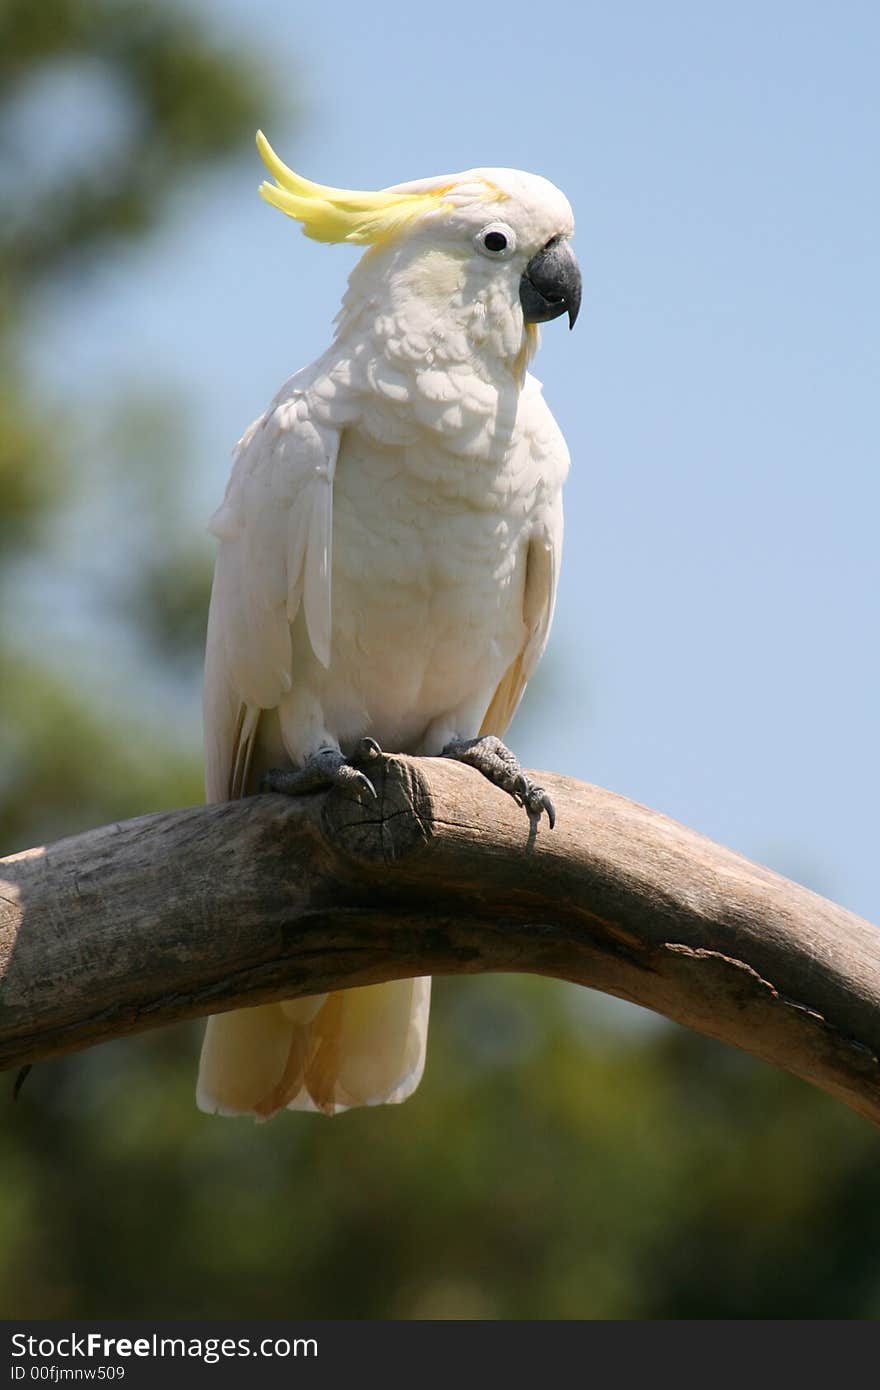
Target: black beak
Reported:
[(551, 284)]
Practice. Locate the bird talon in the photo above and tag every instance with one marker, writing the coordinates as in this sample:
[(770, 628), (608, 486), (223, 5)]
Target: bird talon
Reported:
[(326, 768), (545, 804), (496, 762), (536, 801), (367, 750), (361, 781), (271, 780)]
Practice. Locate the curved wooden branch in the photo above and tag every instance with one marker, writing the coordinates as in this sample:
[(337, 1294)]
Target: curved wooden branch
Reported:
[(190, 912)]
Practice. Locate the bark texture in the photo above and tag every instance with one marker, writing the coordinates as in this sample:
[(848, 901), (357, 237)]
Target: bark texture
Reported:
[(192, 912)]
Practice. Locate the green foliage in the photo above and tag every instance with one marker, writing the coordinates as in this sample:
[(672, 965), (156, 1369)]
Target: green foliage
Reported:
[(69, 759), (193, 102), (548, 1166), (68, 765), (30, 476)]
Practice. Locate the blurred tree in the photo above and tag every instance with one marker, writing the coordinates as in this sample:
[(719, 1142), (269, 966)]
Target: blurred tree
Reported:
[(172, 101), (553, 1163), (183, 100), (546, 1168)]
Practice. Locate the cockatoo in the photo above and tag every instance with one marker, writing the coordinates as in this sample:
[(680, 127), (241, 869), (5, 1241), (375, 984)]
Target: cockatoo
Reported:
[(389, 547)]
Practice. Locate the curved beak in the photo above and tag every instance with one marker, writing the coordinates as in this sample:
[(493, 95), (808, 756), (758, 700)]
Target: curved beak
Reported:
[(551, 284)]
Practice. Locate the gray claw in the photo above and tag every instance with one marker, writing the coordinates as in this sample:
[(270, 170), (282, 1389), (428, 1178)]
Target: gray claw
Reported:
[(539, 802), (367, 749), (360, 779), (533, 798)]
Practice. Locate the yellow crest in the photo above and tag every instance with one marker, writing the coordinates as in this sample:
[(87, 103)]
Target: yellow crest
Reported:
[(341, 214)]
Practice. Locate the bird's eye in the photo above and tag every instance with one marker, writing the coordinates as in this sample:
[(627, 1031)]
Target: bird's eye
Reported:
[(497, 241)]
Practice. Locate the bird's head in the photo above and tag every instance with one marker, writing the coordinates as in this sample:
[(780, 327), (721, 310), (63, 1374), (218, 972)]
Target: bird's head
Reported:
[(486, 252)]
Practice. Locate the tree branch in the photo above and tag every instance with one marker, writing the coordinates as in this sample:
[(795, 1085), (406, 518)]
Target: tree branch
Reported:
[(190, 912)]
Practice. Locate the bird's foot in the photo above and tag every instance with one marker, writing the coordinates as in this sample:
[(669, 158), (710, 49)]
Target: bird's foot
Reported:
[(326, 768), (496, 762)]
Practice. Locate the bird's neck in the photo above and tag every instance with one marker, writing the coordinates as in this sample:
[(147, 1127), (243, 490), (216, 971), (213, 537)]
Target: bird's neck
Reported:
[(427, 316)]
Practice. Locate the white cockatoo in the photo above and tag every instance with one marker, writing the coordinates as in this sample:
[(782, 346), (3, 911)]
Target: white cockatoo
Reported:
[(389, 548)]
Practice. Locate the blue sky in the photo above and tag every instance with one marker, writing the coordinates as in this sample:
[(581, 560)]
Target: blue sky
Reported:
[(715, 649)]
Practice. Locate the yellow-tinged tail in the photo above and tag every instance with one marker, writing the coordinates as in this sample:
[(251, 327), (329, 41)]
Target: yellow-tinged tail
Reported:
[(361, 1046)]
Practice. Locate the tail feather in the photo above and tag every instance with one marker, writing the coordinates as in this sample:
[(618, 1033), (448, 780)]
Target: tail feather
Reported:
[(363, 1046)]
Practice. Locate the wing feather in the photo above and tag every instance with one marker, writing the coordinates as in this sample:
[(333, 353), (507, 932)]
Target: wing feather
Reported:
[(544, 549), (275, 532)]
